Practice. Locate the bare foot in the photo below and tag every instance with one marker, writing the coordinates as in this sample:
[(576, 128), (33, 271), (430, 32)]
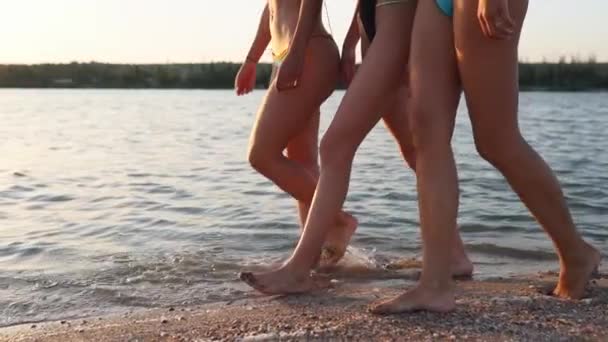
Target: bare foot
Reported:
[(418, 299), (338, 239), (283, 281), (574, 277), (462, 268)]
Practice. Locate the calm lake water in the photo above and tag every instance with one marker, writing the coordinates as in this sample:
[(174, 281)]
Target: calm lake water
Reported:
[(115, 199)]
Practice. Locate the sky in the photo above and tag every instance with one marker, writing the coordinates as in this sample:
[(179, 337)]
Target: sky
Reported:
[(193, 31)]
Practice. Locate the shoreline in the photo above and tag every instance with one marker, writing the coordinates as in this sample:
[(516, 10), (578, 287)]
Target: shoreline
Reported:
[(492, 309)]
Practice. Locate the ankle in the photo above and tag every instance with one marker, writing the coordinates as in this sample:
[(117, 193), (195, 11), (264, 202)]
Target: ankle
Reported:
[(459, 257), (299, 269), (342, 218), (437, 285), (579, 255)]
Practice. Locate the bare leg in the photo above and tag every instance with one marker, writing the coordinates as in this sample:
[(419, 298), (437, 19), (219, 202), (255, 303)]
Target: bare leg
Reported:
[(435, 95), (304, 149), (396, 119), (356, 116), (490, 77), (280, 121)]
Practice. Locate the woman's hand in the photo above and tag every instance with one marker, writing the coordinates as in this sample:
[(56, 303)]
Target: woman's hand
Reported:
[(290, 70), (246, 77), (495, 19)]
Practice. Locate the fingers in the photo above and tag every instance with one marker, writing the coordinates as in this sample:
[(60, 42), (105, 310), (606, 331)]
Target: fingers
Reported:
[(505, 27), (497, 25), (484, 25), (237, 88), (244, 82), (289, 73), (243, 89), (502, 26), (286, 86), (286, 82), (240, 91)]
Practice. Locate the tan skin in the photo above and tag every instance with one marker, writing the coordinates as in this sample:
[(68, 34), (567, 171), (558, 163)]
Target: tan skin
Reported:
[(289, 119), (395, 118), (476, 51), (346, 132), (465, 52), (357, 114)]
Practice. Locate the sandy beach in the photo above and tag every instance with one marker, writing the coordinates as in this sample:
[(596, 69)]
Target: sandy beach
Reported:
[(500, 309)]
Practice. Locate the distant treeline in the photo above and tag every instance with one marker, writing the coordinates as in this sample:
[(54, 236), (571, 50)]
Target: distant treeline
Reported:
[(101, 75), (562, 76)]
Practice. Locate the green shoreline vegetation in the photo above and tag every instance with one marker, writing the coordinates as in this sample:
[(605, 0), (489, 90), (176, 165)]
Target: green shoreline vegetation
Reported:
[(573, 75)]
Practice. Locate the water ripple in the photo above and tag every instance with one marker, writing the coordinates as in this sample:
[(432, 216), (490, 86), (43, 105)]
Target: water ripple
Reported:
[(145, 198)]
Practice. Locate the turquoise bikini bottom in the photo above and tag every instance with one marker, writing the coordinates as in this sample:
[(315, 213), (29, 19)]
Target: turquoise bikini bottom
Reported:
[(446, 6)]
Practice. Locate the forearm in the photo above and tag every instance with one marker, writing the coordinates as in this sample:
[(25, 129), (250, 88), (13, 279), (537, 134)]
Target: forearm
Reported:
[(353, 35), (262, 38)]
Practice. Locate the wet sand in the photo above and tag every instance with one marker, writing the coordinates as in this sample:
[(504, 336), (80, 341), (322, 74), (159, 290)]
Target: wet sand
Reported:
[(498, 309)]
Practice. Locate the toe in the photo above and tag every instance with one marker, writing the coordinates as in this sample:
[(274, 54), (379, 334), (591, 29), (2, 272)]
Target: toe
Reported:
[(250, 279), (247, 277), (378, 309), (321, 282)]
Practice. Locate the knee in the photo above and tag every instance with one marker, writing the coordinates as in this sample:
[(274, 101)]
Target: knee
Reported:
[(259, 158), (335, 151), (307, 158), (500, 150), (430, 125)]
